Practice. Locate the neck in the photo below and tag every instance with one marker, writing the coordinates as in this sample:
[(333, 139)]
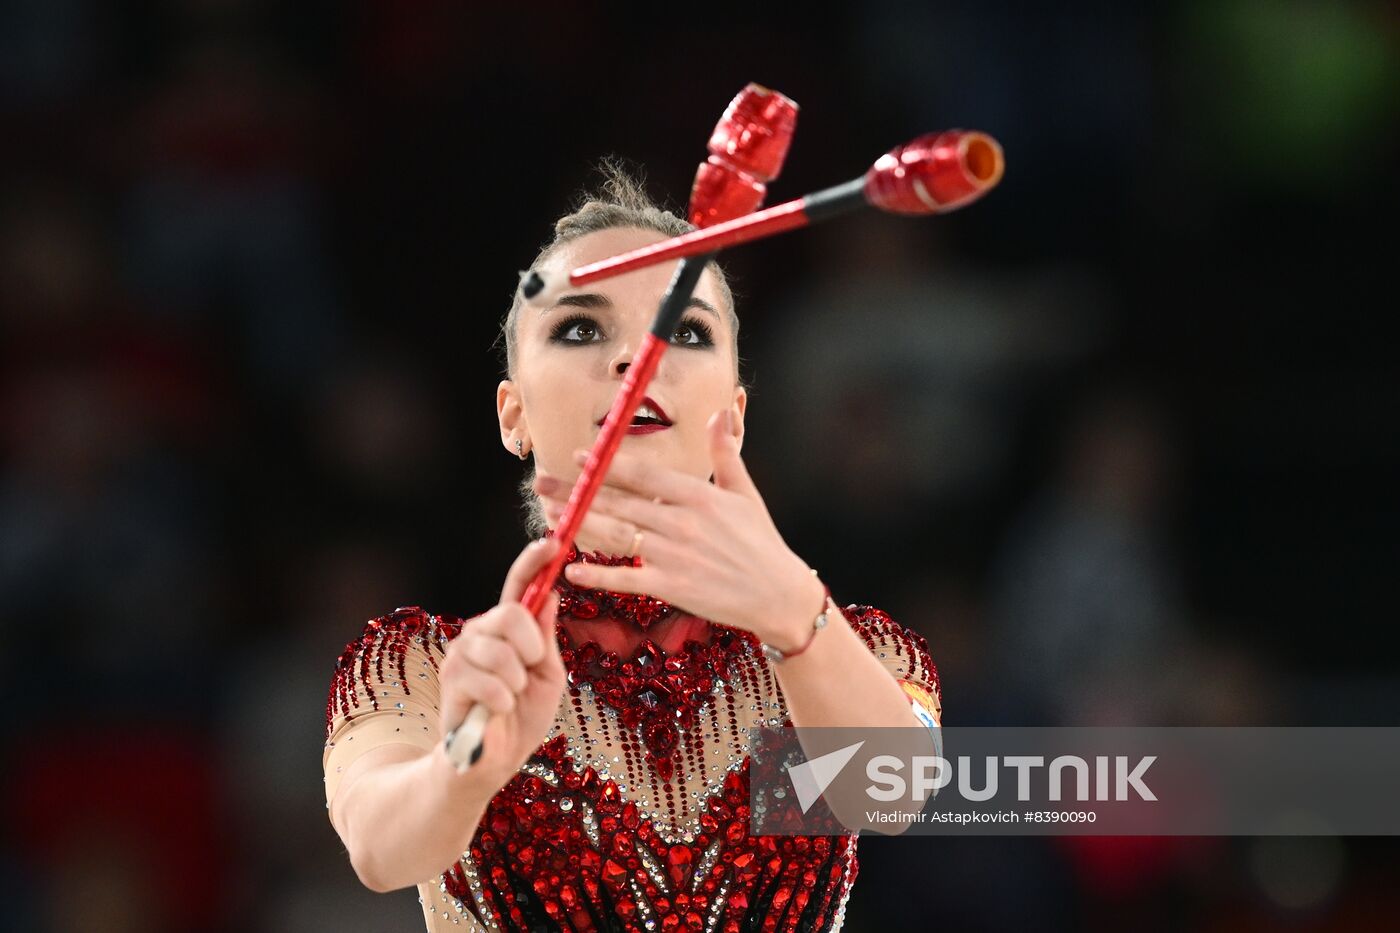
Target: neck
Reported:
[(670, 634), (587, 545)]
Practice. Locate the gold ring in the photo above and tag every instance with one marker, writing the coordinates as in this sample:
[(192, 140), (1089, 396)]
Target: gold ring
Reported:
[(636, 544)]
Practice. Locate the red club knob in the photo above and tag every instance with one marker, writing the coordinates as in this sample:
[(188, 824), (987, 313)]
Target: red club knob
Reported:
[(747, 150), (936, 173)]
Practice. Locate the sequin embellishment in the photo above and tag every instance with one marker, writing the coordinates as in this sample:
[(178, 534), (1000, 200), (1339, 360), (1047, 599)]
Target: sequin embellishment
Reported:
[(600, 829)]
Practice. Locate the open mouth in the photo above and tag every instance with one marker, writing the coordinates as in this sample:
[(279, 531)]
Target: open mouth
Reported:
[(648, 415)]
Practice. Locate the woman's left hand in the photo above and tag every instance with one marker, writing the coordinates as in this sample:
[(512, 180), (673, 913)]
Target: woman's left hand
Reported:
[(711, 549)]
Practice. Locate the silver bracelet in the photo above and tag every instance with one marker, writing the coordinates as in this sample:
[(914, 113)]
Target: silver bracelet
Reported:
[(778, 656)]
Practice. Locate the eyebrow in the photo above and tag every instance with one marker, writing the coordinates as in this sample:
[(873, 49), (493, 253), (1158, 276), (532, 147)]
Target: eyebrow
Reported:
[(592, 300)]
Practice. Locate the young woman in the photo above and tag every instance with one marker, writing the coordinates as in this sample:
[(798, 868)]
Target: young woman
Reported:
[(613, 789)]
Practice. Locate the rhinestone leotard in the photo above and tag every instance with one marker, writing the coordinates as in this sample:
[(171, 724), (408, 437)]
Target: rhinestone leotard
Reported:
[(633, 814)]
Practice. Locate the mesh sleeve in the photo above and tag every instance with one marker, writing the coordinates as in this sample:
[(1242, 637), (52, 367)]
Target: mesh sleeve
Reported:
[(385, 689), (904, 653)]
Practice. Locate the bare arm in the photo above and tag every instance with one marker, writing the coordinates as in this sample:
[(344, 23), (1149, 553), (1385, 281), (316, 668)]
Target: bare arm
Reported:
[(402, 810), (837, 681), (405, 814)]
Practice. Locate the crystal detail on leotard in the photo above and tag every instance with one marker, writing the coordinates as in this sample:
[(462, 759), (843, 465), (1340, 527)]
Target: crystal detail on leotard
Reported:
[(650, 752)]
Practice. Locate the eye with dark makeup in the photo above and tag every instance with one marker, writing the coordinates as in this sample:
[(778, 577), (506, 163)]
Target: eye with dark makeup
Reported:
[(699, 332), (572, 330), (559, 333)]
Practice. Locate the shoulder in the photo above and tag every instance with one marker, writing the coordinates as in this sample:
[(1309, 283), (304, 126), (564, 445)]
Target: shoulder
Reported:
[(873, 623), (899, 647), (404, 627), (375, 666)]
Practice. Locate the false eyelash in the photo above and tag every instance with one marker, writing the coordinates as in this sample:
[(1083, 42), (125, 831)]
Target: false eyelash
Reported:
[(562, 327), (707, 336)]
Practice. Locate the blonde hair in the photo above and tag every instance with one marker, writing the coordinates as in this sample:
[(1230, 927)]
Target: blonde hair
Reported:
[(621, 201)]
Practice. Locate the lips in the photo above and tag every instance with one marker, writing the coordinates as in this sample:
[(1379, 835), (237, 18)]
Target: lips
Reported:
[(648, 402)]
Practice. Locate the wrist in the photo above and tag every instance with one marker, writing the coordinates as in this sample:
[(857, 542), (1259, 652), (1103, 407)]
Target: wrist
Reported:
[(469, 790), (801, 630)]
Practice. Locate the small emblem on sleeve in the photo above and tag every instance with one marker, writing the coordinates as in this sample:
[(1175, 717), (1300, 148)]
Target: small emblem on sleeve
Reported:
[(923, 703)]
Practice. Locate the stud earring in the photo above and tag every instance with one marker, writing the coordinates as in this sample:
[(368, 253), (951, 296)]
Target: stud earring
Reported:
[(520, 448)]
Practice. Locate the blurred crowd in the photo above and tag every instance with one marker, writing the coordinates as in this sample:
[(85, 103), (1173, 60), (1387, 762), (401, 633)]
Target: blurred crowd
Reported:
[(1118, 440)]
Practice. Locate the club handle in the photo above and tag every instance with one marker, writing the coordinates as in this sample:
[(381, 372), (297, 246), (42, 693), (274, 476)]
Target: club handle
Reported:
[(464, 744)]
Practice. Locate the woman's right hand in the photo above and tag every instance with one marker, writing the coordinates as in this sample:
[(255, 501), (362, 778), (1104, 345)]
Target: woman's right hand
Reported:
[(507, 661)]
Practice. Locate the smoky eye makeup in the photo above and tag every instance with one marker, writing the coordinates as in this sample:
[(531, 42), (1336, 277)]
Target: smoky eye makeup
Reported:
[(558, 333), (704, 335), (563, 331)]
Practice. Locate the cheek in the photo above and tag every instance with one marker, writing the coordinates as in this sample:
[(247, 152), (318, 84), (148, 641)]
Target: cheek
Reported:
[(556, 402), (707, 392), (719, 378)]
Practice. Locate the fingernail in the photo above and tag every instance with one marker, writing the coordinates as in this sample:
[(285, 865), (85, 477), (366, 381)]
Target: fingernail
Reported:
[(580, 456)]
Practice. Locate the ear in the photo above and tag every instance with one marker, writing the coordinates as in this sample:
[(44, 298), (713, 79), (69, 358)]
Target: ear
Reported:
[(740, 404), (510, 412)]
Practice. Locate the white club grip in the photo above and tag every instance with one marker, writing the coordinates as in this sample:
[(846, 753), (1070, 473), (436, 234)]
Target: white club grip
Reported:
[(464, 743)]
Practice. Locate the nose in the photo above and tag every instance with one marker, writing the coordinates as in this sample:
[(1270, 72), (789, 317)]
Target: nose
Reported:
[(621, 360), (626, 340)]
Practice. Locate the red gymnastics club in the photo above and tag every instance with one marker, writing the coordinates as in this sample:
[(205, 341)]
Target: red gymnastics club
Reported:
[(934, 174), (747, 150)]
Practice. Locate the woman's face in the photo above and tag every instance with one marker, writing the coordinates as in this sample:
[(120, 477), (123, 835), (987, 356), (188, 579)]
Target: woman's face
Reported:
[(572, 358)]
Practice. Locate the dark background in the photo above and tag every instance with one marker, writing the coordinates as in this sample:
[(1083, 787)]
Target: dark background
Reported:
[(1118, 439)]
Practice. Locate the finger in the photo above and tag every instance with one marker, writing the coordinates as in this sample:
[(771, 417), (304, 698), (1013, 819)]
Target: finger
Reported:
[(547, 485), (648, 479), (554, 513), (620, 579), (730, 471), (455, 707), (500, 658), (530, 562), (487, 689), (548, 615), (513, 623), (554, 487), (646, 514), (552, 663), (612, 535), (526, 636)]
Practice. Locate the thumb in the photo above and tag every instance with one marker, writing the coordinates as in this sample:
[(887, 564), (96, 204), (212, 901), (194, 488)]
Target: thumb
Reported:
[(533, 559), (552, 659), (730, 472)]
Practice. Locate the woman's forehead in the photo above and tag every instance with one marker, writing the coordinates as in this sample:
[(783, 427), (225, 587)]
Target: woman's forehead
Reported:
[(649, 283)]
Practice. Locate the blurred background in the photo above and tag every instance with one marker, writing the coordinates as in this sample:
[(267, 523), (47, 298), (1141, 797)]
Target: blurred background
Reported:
[(1119, 440)]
